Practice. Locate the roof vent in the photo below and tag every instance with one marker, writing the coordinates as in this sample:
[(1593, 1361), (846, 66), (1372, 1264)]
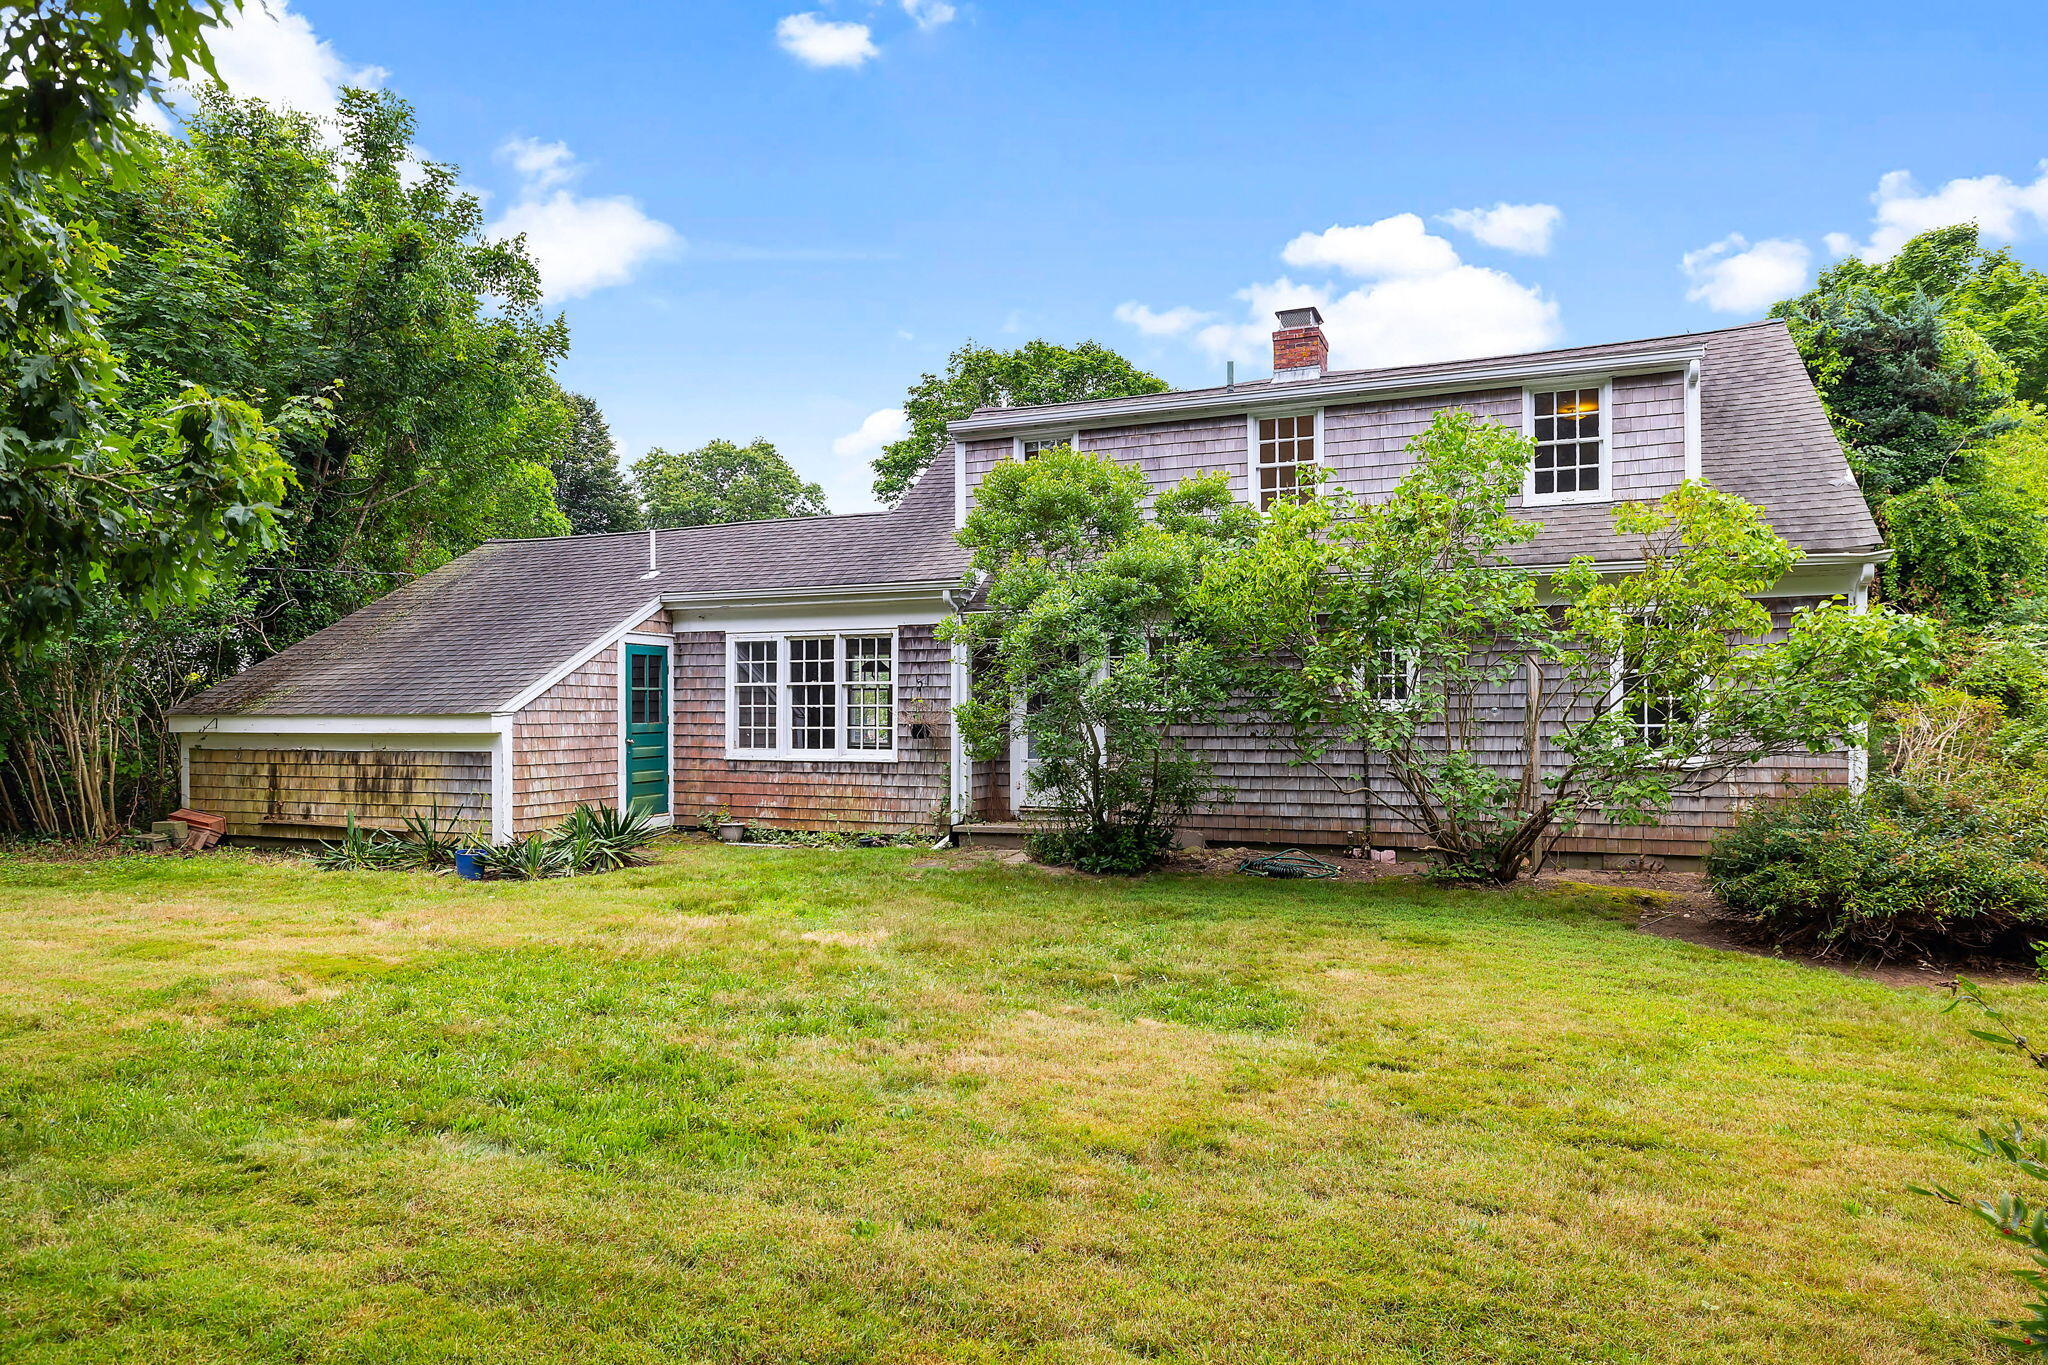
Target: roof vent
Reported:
[(1300, 350)]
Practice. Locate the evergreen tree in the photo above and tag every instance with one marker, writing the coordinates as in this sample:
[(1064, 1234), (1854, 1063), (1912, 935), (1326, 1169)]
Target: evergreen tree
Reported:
[(590, 488)]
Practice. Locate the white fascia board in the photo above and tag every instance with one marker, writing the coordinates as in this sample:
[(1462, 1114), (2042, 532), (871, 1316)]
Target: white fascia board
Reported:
[(1821, 575), (909, 589), (864, 609), (1169, 406), (596, 647), (259, 724)]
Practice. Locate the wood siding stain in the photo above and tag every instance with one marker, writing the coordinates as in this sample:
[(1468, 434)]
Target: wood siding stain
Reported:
[(826, 795), (312, 792), (566, 743)]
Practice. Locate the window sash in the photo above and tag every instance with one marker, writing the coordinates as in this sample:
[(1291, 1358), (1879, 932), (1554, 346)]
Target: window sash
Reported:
[(812, 695), (1282, 449), (1569, 429)]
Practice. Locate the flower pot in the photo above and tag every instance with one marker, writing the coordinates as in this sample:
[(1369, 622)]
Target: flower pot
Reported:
[(469, 864), (732, 832)]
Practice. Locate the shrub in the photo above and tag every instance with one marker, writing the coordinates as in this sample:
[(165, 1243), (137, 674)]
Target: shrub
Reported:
[(1116, 850), (1897, 871), (591, 839)]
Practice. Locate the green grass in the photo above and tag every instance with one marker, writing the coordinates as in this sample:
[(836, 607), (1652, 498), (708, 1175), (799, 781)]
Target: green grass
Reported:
[(758, 1105)]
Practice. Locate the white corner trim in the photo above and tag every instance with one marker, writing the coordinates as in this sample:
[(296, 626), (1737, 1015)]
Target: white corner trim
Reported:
[(959, 484), (1859, 749), (184, 771), (960, 800), (1694, 468), (502, 813), (597, 647)]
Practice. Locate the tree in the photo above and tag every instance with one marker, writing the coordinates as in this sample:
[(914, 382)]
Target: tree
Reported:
[(982, 377), (1402, 629), (589, 486), (154, 498), (1090, 647), (720, 482)]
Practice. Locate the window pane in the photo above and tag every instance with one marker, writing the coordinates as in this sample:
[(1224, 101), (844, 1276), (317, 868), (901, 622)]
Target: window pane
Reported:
[(754, 661), (755, 718), (1566, 427)]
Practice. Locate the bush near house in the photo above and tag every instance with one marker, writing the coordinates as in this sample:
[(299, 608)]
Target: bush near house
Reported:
[(1893, 872)]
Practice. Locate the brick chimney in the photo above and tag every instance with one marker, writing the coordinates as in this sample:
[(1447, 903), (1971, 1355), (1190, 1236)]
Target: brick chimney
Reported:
[(1300, 351)]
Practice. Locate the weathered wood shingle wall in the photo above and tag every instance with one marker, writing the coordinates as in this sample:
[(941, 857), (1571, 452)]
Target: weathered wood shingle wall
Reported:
[(310, 793), (824, 795), (566, 744)]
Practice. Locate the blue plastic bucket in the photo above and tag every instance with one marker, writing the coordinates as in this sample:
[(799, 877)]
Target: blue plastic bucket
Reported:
[(470, 864)]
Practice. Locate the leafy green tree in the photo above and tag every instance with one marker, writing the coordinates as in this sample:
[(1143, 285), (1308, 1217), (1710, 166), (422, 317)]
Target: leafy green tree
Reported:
[(720, 482), (154, 498), (590, 488), (1091, 647), (1401, 628), (982, 377)]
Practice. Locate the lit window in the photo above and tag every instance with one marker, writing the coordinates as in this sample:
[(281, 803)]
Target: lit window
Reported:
[(1286, 454), (815, 696), (1568, 443)]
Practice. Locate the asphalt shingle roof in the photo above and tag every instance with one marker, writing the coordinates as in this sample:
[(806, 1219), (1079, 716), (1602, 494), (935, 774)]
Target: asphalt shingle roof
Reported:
[(472, 635)]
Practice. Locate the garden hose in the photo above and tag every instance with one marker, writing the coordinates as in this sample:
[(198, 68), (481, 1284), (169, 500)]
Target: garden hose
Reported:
[(1292, 863)]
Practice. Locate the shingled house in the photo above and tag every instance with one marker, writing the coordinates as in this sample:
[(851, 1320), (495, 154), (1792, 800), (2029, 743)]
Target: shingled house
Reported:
[(786, 672)]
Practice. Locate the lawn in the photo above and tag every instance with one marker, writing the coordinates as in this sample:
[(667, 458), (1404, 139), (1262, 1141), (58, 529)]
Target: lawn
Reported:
[(756, 1105)]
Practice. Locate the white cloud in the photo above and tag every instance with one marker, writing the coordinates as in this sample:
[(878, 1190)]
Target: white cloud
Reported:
[(581, 244), (1399, 245), (929, 13), (876, 430), (542, 165), (1422, 303), (2001, 209), (815, 41), (1731, 276), (268, 52), (1165, 323), (1523, 228)]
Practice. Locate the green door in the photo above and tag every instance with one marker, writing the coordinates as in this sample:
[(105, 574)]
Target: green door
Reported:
[(647, 729)]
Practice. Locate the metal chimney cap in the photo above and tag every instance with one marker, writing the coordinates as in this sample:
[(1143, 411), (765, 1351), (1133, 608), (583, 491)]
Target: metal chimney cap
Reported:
[(1310, 316)]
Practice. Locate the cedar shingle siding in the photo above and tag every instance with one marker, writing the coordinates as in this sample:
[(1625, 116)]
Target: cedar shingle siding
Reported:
[(310, 793), (847, 796)]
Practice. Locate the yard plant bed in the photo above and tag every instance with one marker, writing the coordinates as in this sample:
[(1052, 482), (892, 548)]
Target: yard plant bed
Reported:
[(834, 1107)]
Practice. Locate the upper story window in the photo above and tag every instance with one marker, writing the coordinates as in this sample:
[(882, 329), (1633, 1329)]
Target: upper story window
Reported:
[(1283, 456), (813, 696), (1029, 447), (1571, 445)]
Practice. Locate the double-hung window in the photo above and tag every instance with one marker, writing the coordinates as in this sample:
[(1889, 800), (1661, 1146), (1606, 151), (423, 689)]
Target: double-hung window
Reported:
[(1283, 457), (813, 696), (1653, 717), (1390, 679), (1569, 427)]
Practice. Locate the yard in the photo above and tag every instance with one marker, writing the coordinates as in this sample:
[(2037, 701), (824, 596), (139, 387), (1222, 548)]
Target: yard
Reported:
[(759, 1105)]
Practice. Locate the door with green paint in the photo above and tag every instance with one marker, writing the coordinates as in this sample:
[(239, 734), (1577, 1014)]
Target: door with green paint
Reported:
[(647, 729)]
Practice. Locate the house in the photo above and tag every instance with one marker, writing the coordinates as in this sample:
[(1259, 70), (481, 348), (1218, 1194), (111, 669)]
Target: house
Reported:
[(787, 672)]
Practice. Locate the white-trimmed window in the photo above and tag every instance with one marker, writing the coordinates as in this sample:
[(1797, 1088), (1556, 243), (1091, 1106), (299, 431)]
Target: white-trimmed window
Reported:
[(1031, 447), (1283, 456), (1569, 427), (815, 695), (1390, 680)]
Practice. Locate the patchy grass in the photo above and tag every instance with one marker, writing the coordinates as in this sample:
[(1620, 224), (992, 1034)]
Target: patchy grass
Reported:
[(754, 1105)]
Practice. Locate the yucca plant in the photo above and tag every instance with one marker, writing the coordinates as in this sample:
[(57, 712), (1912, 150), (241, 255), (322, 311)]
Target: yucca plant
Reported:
[(528, 859), (435, 844), (600, 839), (363, 850)]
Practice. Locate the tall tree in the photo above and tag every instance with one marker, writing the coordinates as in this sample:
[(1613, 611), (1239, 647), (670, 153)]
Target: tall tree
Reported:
[(154, 498), (590, 488), (983, 377), (719, 482)]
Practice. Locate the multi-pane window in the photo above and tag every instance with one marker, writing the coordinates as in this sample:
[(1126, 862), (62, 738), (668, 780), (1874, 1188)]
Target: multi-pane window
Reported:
[(814, 695), (1029, 447), (755, 694), (1285, 455), (1652, 715), (1568, 443), (646, 693), (1392, 676)]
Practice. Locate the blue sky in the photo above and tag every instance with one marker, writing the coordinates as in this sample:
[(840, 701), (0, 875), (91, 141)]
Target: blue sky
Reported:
[(768, 219)]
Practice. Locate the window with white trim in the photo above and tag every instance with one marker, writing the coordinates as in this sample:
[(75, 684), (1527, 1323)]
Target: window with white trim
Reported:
[(1283, 455), (1653, 716), (1390, 680), (1031, 447), (1571, 460), (813, 696)]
